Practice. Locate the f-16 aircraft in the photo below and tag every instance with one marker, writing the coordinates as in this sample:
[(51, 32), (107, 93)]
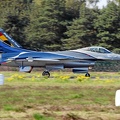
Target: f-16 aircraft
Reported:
[(79, 60)]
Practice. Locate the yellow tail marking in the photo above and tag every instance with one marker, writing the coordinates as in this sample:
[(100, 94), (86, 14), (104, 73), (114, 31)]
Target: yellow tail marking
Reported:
[(3, 38)]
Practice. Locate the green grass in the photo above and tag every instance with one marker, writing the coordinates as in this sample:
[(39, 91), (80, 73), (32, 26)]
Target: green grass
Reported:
[(38, 116), (62, 96)]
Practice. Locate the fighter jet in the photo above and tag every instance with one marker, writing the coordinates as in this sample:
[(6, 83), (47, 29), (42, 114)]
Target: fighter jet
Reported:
[(79, 60)]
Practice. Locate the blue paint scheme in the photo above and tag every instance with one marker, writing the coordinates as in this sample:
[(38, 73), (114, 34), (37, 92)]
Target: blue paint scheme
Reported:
[(79, 60), (13, 51)]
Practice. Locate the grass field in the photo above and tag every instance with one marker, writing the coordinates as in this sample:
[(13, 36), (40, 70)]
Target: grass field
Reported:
[(63, 96)]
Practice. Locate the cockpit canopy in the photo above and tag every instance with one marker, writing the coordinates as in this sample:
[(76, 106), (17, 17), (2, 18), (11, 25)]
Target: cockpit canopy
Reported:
[(97, 49)]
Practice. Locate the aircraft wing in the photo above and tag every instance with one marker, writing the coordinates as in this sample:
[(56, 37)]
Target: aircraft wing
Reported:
[(41, 59), (31, 60)]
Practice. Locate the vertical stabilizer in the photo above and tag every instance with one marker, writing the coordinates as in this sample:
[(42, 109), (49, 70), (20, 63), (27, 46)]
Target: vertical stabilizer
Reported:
[(7, 39)]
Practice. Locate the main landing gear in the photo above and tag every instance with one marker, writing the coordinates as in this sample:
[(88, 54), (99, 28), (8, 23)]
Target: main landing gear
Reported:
[(87, 75), (46, 74)]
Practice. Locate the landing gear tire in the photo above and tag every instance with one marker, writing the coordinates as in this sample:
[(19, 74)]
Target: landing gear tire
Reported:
[(87, 75), (46, 74)]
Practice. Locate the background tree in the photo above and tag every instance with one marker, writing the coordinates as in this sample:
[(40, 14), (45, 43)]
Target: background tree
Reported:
[(52, 24), (72, 8), (14, 26), (82, 33), (17, 19), (46, 28), (108, 26)]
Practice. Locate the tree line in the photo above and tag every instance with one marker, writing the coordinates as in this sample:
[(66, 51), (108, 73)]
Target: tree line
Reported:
[(61, 24)]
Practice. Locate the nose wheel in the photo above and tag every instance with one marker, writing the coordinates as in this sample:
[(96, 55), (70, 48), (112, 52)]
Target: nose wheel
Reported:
[(46, 74), (87, 75)]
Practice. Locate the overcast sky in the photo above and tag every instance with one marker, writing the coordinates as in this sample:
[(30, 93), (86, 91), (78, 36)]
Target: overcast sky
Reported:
[(102, 3)]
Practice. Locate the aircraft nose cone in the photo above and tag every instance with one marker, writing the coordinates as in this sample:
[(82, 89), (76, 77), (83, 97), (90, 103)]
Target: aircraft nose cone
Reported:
[(116, 57), (113, 56)]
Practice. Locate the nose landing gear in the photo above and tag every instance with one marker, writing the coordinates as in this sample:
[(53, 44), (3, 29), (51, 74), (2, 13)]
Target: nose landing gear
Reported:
[(87, 75)]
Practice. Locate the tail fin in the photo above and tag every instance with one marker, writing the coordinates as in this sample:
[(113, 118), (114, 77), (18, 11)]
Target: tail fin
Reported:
[(5, 48), (7, 39)]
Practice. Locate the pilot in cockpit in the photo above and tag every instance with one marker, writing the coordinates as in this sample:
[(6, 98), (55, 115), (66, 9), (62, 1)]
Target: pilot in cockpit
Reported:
[(99, 50)]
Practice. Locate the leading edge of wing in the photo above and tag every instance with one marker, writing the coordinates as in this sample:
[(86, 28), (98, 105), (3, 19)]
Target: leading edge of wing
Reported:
[(28, 60), (31, 59)]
